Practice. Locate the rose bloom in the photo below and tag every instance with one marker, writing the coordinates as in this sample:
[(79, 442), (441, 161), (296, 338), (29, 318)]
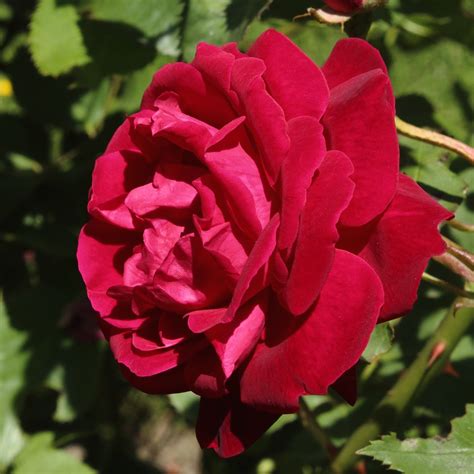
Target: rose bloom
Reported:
[(350, 6), (249, 228), (345, 6)]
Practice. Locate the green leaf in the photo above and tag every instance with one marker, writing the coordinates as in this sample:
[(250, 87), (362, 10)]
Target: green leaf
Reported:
[(205, 21), (115, 48), (217, 21), (76, 362), (40, 456), (91, 108), (13, 360), (429, 166), (380, 342), (55, 39), (441, 103), (152, 17), (435, 455)]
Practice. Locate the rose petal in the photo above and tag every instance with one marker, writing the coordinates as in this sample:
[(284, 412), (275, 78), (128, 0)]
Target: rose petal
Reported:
[(307, 151), (258, 259), (189, 278), (265, 118), (300, 89), (346, 385), (229, 427), (170, 195), (147, 363), (101, 255), (197, 96), (360, 122), (221, 242), (204, 319), (399, 245), (216, 66), (302, 356), (234, 341), (328, 196), (241, 183), (204, 375), (171, 381), (358, 57)]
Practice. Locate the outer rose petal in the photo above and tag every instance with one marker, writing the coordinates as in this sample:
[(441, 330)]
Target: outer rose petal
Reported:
[(345, 6), (101, 255), (171, 381), (360, 122), (303, 356), (300, 89), (328, 196), (148, 363), (229, 427), (358, 57), (399, 244), (346, 385)]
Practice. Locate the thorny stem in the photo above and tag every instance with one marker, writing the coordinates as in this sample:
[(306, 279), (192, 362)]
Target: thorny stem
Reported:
[(309, 422), (435, 138), (413, 381), (447, 286), (462, 226), (455, 265)]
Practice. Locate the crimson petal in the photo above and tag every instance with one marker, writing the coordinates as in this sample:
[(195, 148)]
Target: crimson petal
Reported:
[(302, 356), (302, 93), (229, 427), (360, 122)]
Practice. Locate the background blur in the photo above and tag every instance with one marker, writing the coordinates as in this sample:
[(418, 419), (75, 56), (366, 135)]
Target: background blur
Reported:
[(70, 71)]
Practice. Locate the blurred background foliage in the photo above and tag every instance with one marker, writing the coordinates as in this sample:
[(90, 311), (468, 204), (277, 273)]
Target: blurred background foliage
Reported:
[(70, 71)]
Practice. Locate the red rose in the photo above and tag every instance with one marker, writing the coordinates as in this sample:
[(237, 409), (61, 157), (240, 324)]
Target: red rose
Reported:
[(349, 6), (250, 227), (345, 6)]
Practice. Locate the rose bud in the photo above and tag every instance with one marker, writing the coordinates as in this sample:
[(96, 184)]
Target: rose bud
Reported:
[(250, 227), (351, 6)]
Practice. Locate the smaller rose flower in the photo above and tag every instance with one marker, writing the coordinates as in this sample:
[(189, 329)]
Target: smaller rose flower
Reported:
[(351, 6)]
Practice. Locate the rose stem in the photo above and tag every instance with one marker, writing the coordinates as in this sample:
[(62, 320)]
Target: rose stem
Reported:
[(462, 226), (435, 138), (460, 253), (455, 265), (411, 384), (309, 422), (447, 286)]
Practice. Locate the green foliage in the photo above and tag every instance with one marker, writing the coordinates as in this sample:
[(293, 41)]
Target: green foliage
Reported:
[(437, 455), (152, 17), (40, 455), (55, 39), (380, 342), (13, 361)]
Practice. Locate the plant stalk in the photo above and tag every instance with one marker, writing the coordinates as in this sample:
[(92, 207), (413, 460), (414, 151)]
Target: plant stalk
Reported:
[(309, 422), (427, 365), (435, 138), (449, 287)]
